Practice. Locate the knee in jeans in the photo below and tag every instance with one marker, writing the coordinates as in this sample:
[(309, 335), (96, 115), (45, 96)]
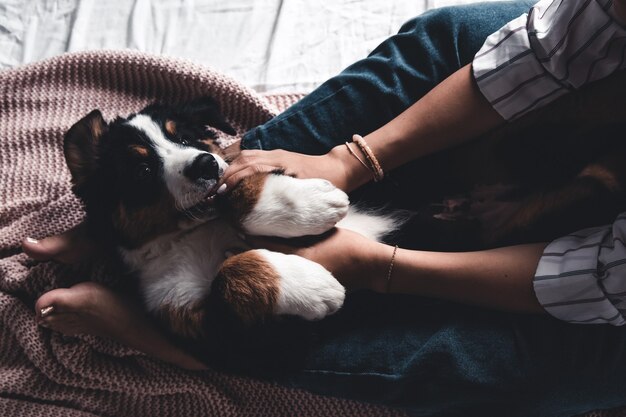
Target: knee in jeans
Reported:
[(443, 18)]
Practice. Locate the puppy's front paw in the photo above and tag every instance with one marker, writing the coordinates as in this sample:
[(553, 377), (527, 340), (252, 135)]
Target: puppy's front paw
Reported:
[(292, 207), (320, 205), (307, 289)]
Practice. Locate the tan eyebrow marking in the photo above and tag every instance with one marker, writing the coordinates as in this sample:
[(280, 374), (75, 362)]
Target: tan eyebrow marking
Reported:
[(170, 127), (139, 150)]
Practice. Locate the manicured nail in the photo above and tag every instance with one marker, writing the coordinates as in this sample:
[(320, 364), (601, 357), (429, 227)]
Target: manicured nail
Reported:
[(46, 310), (31, 240), (222, 189)]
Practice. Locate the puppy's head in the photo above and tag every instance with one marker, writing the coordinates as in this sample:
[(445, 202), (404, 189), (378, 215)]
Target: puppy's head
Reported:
[(140, 176)]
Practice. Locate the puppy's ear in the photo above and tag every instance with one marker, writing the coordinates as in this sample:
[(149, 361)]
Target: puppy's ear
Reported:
[(80, 146), (205, 111)]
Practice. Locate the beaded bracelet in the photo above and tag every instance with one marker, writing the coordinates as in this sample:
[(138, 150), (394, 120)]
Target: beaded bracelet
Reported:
[(369, 155)]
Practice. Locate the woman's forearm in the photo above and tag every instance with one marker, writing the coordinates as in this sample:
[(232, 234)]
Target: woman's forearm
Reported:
[(451, 113), (498, 278), (454, 111)]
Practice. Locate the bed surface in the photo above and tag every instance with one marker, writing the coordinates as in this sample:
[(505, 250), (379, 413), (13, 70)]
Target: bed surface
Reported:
[(273, 46), (270, 45)]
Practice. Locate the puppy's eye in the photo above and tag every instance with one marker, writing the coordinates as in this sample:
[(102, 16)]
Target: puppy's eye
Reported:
[(184, 141), (143, 172)]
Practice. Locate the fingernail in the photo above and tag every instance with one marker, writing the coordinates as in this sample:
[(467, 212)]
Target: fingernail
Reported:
[(46, 310), (31, 240), (222, 189)]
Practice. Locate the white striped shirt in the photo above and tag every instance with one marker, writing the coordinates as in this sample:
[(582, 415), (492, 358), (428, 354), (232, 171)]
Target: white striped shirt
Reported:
[(559, 46)]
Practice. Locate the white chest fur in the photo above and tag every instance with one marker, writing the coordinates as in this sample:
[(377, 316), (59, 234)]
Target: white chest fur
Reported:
[(179, 268)]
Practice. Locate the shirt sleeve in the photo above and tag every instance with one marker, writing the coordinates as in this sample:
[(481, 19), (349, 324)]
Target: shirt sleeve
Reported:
[(581, 278), (558, 46)]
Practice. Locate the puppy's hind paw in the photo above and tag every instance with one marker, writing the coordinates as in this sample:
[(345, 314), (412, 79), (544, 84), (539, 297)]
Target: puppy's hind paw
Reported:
[(307, 289)]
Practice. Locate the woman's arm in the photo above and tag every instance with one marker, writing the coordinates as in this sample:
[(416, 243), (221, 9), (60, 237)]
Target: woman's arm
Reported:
[(578, 278), (452, 112), (498, 278)]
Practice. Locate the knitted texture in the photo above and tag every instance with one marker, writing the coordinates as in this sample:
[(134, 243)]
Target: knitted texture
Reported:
[(45, 373)]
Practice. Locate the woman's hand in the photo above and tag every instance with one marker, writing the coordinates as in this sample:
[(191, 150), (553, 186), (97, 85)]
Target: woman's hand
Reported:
[(356, 261), (337, 166)]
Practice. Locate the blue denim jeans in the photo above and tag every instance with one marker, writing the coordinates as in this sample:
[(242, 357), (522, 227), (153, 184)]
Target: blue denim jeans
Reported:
[(432, 357)]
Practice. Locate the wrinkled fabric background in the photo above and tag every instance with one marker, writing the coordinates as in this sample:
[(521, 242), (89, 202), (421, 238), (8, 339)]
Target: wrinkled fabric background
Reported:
[(269, 45)]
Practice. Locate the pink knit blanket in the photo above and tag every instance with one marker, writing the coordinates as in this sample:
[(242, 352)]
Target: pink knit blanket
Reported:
[(44, 373)]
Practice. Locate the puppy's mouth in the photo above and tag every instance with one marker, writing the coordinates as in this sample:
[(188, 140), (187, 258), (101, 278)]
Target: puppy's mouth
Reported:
[(205, 206)]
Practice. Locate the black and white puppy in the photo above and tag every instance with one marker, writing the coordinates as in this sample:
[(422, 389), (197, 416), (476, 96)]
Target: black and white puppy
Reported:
[(148, 183)]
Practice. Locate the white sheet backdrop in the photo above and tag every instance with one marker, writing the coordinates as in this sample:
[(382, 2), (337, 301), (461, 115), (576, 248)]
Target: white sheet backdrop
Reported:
[(271, 45)]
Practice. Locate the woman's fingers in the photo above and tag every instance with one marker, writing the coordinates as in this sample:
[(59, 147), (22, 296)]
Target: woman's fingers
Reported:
[(329, 166), (241, 163), (233, 178), (253, 161), (250, 158)]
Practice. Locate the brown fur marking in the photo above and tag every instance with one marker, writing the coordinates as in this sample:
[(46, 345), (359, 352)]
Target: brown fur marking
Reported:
[(138, 226), (250, 285), (245, 195), (214, 148), (187, 321), (96, 127), (170, 127), (604, 175), (524, 216), (139, 150)]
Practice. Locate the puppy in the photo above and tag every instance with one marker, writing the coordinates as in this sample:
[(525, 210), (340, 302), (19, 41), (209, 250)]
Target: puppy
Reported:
[(148, 184)]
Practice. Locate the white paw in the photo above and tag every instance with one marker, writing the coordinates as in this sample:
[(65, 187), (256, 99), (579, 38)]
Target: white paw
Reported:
[(307, 289), (291, 207)]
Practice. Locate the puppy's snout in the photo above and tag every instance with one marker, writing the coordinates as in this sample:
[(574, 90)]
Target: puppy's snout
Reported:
[(203, 167)]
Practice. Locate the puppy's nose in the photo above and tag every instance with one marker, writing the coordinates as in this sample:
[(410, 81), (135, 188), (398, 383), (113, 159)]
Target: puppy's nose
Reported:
[(203, 167)]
